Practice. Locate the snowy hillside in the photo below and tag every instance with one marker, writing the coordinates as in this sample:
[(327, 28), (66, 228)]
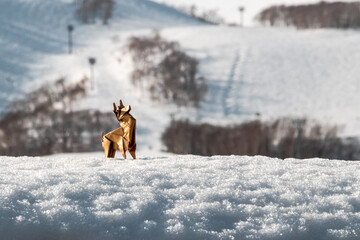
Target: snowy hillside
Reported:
[(229, 9), (33, 35), (32, 31), (252, 73), (277, 73), (178, 197)]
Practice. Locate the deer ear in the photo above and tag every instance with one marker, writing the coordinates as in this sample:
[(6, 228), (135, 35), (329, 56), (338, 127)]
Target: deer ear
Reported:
[(121, 104)]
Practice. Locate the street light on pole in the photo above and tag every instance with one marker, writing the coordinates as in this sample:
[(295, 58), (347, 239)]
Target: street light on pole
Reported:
[(92, 62), (70, 28), (241, 9)]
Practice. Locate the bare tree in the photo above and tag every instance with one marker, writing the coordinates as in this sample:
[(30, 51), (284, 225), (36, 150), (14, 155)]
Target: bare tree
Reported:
[(166, 71)]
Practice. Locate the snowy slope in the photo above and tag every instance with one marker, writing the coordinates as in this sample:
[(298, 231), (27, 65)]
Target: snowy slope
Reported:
[(277, 73), (178, 197), (32, 31), (229, 9), (26, 33), (252, 73), (33, 37)]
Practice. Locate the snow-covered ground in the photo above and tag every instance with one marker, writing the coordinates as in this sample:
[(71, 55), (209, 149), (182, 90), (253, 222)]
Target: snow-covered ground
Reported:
[(178, 197), (273, 72)]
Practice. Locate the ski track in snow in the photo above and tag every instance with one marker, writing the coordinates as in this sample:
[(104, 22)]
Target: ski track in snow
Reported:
[(233, 93), (230, 82), (178, 197)]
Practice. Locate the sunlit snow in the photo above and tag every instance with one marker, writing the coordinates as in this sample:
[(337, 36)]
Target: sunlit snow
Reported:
[(178, 197), (274, 72)]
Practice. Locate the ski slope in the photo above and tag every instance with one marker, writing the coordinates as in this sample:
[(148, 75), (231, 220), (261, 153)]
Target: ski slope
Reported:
[(252, 73), (277, 73), (178, 197), (33, 36), (35, 31)]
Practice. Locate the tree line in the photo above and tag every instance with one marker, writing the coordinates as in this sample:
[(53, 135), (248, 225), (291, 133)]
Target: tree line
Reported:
[(320, 15), (284, 138), (43, 122), (207, 16)]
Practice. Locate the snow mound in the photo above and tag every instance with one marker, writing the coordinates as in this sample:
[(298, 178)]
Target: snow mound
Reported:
[(178, 197)]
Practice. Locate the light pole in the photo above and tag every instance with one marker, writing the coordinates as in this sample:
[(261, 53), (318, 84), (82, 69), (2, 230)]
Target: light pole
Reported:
[(299, 124), (92, 62), (241, 9), (70, 28)]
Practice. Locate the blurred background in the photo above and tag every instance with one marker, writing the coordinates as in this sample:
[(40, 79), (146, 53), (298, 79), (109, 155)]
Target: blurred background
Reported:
[(205, 77)]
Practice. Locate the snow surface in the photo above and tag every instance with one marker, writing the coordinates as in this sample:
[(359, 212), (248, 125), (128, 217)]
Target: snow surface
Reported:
[(178, 197), (274, 72)]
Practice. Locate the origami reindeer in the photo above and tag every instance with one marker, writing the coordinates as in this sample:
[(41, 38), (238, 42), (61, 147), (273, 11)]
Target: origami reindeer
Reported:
[(122, 138)]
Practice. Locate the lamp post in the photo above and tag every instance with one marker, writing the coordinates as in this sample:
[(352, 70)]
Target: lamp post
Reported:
[(299, 124), (92, 62), (241, 9), (70, 28)]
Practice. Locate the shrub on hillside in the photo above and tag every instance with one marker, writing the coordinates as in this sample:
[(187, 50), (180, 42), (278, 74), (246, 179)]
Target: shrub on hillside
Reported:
[(167, 72), (207, 16), (89, 10), (320, 15), (284, 138)]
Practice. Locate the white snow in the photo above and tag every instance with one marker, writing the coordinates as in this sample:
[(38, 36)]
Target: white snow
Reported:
[(275, 72), (178, 197)]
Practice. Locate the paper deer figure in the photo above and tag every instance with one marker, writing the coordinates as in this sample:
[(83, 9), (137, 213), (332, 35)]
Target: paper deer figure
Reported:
[(122, 138)]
